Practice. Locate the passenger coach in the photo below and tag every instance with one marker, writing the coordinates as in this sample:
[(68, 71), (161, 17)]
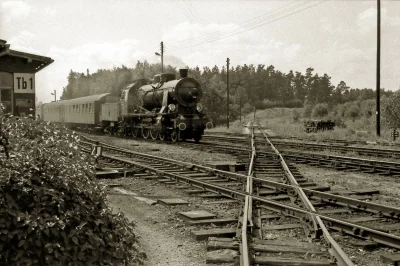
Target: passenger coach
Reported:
[(84, 111)]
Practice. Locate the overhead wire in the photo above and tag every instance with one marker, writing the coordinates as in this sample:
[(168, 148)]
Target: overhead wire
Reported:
[(248, 22), (277, 16), (238, 30)]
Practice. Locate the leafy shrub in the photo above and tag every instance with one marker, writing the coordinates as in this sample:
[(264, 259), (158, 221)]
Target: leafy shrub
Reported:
[(339, 122), (295, 115), (52, 209), (353, 112), (320, 110), (247, 108), (307, 110), (295, 103), (391, 110)]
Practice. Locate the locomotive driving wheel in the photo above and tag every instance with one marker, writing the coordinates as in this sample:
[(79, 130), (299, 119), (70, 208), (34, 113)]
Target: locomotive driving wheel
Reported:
[(135, 132), (197, 137), (145, 133), (176, 135), (153, 133)]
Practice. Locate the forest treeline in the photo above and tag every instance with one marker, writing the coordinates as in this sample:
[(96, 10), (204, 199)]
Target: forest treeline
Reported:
[(251, 87)]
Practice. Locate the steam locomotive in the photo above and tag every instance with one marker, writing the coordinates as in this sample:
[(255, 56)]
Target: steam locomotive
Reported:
[(163, 108)]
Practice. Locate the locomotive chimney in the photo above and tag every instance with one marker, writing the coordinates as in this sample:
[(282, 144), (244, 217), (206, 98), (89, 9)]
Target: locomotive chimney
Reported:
[(183, 73)]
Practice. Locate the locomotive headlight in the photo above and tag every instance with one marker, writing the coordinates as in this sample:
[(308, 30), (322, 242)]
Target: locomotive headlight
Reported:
[(199, 107), (172, 107)]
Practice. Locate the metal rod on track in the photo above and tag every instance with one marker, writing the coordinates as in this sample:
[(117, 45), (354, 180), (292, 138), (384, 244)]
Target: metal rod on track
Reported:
[(248, 206), (335, 250)]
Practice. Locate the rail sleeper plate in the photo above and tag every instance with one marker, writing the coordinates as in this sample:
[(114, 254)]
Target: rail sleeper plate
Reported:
[(174, 201), (197, 215)]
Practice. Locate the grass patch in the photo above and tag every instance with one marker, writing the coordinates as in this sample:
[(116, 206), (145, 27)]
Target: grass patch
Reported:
[(286, 123)]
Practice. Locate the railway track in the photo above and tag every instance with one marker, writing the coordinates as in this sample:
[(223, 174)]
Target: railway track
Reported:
[(309, 139), (380, 167), (306, 146), (230, 185), (286, 250)]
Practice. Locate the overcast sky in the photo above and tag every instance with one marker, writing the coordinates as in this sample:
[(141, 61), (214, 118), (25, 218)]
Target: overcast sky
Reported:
[(334, 37)]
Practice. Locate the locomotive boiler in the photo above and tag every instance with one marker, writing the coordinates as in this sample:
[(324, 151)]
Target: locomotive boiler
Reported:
[(163, 108)]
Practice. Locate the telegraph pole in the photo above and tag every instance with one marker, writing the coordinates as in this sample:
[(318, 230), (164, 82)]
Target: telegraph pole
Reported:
[(240, 104), (55, 95), (378, 71), (227, 93), (162, 57)]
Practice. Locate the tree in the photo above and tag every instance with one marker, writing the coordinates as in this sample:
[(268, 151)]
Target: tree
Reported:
[(391, 111), (339, 92)]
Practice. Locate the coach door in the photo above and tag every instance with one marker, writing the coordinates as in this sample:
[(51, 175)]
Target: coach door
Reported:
[(62, 113), (6, 85)]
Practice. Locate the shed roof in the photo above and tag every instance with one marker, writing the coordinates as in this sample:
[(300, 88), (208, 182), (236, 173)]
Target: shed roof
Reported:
[(39, 61)]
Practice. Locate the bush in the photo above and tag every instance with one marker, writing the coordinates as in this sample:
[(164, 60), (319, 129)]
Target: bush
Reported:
[(295, 115), (295, 103), (247, 108), (339, 122), (353, 112), (320, 110), (52, 209), (307, 110), (391, 110)]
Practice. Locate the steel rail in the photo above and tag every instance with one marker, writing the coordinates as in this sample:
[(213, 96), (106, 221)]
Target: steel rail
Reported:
[(343, 141), (388, 211), (360, 150), (394, 153), (335, 250), (383, 167), (348, 227), (248, 207)]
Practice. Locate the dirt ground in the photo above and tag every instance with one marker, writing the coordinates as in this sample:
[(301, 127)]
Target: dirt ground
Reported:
[(160, 239), (163, 235)]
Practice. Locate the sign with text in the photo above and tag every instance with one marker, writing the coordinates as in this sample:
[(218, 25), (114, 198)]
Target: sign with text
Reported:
[(24, 83)]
